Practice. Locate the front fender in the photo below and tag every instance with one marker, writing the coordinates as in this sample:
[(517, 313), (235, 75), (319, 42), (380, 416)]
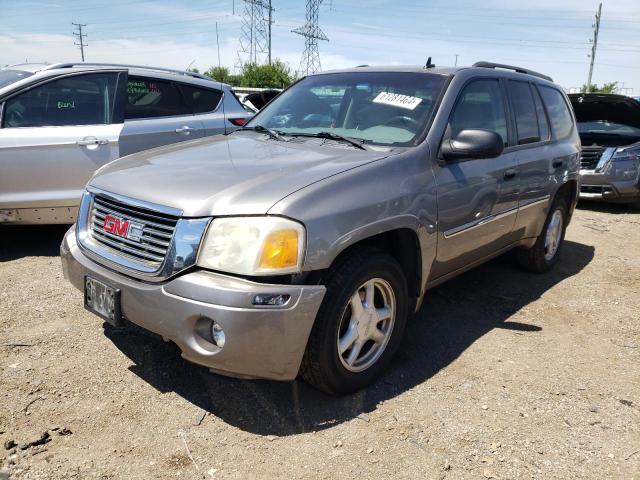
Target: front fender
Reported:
[(397, 192)]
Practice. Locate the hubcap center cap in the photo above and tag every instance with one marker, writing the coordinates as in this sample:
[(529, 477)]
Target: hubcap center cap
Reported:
[(364, 324)]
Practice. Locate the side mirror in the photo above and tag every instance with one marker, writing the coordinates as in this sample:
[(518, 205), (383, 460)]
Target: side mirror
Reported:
[(472, 143)]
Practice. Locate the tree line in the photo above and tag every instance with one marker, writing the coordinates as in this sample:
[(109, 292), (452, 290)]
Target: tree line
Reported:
[(276, 75)]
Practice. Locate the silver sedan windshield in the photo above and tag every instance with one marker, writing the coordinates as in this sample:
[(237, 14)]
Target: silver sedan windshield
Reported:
[(9, 76)]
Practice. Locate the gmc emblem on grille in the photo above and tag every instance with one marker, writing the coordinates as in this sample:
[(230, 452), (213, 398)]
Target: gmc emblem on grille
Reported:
[(122, 228)]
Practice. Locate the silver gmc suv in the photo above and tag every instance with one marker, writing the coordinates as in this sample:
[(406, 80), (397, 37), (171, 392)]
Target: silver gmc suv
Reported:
[(302, 243), (59, 123)]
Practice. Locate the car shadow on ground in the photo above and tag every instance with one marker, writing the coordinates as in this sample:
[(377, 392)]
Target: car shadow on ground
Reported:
[(454, 316), (18, 241), (604, 207)]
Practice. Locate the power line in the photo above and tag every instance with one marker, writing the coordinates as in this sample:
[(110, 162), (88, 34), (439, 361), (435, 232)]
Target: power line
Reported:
[(455, 39), (310, 62), (81, 36)]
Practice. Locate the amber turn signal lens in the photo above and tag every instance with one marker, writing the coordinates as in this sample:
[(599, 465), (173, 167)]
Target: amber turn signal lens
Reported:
[(280, 250)]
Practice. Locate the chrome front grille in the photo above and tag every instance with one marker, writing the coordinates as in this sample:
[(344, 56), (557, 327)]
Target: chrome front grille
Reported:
[(590, 157), (141, 235)]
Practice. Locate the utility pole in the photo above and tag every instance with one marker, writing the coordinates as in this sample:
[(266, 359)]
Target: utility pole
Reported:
[(456, 64), (81, 36), (270, 22), (596, 30)]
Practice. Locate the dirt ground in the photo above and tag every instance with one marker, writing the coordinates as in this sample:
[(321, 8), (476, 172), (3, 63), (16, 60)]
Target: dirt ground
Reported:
[(503, 374)]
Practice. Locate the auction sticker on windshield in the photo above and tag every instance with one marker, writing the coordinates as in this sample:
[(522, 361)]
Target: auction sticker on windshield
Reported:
[(398, 100)]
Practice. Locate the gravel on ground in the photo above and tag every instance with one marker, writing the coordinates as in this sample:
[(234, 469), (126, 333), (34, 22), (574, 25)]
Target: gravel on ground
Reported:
[(503, 374)]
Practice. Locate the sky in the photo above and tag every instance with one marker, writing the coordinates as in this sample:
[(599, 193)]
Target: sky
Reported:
[(548, 36)]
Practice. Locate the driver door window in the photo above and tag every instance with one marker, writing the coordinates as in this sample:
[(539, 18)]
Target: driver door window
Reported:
[(76, 100), (480, 105)]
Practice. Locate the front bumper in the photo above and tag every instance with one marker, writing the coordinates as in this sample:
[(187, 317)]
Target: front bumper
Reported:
[(600, 186), (261, 342)]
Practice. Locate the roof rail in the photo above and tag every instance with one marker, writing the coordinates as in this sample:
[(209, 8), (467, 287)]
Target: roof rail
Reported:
[(123, 65), (511, 67)]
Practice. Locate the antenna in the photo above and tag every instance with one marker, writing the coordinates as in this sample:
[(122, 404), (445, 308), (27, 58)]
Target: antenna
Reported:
[(310, 62), (81, 36)]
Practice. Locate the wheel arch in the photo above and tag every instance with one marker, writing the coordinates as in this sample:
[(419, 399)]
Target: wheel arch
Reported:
[(403, 244), (568, 190)]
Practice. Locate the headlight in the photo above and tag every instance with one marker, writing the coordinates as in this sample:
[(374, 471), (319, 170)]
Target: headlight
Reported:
[(253, 246), (623, 163), (623, 154)]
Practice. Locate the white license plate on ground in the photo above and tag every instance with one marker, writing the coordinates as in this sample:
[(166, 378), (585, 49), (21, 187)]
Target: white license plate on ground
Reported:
[(103, 300)]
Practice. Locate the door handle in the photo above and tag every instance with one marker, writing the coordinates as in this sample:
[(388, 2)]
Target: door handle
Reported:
[(510, 173), (90, 141), (185, 129), (557, 163)]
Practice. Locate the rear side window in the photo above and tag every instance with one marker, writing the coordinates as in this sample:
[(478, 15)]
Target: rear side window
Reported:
[(480, 106), (76, 100), (149, 98), (561, 120), (524, 111), (201, 100)]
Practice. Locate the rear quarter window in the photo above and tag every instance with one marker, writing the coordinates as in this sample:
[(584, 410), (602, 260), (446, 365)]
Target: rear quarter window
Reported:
[(558, 110), (201, 100)]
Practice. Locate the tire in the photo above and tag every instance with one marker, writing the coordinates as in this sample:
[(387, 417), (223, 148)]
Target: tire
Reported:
[(323, 366), (539, 258)]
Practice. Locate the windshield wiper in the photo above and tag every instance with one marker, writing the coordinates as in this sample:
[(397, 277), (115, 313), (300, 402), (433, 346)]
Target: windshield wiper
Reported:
[(332, 136), (262, 129)]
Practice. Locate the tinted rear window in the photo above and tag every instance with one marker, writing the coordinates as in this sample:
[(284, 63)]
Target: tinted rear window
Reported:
[(201, 100), (149, 98), (558, 110)]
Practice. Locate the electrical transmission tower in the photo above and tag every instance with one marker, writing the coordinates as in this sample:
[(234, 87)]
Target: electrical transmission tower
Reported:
[(596, 30), (310, 62), (81, 36), (255, 33)]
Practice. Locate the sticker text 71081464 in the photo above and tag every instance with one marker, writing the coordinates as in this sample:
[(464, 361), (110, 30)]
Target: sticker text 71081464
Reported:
[(398, 100)]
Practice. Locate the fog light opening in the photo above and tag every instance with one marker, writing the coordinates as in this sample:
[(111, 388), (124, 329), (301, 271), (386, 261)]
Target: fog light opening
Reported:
[(271, 299), (217, 334)]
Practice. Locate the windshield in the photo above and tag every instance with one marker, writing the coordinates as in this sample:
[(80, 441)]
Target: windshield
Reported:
[(10, 76), (609, 128), (386, 108)]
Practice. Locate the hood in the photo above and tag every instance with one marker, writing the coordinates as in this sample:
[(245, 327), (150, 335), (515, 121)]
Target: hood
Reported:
[(240, 174), (590, 107)]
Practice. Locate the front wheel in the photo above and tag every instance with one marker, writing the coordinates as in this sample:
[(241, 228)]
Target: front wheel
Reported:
[(545, 252), (359, 326)]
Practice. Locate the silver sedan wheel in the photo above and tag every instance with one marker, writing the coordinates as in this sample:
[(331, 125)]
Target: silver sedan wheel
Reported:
[(366, 325), (553, 235)]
